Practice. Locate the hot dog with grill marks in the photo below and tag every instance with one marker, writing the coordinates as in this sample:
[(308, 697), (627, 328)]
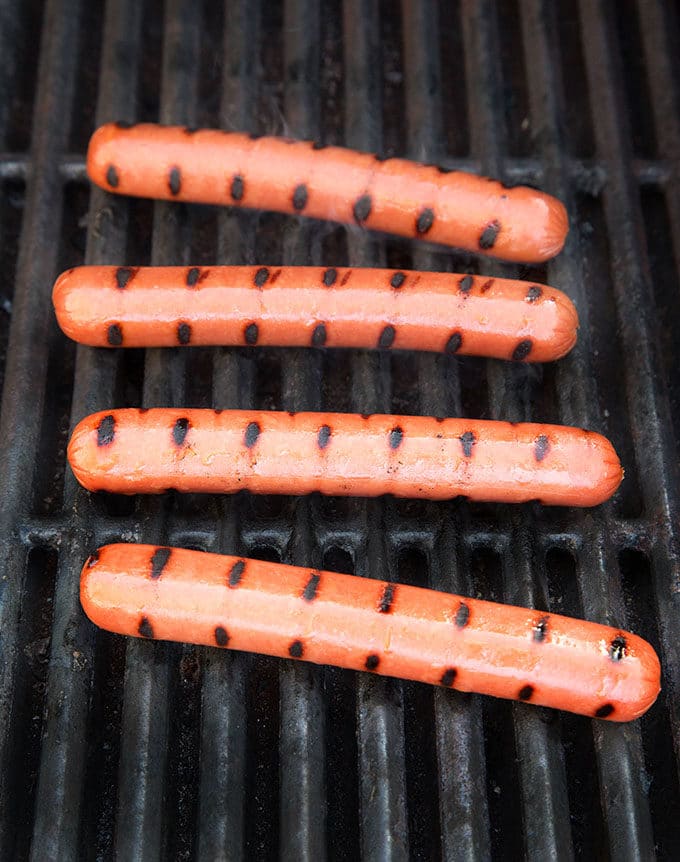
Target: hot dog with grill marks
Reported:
[(133, 451), (299, 177), (108, 306), (392, 629)]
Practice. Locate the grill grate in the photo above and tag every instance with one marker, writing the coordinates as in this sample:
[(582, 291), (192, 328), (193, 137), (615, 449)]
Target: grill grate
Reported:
[(142, 750)]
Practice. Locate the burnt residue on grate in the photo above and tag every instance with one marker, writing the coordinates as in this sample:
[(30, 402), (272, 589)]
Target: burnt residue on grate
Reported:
[(110, 747)]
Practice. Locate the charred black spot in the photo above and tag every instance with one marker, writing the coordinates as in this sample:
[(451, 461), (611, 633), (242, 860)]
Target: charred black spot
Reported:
[(372, 661), (237, 187), (397, 279), (617, 648), (106, 431), (300, 196), (250, 333), (386, 339), (311, 587), (526, 692), (123, 276), (184, 333), (329, 277), (387, 598), (534, 293), (112, 176), (396, 436), (462, 615), (93, 559), (324, 436), (193, 275), (175, 180), (252, 433), (261, 276), (236, 573), (604, 711), (362, 208), (179, 431), (522, 350), (114, 335), (541, 447), (425, 220), (221, 636), (541, 629), (489, 235), (465, 284), (454, 343), (448, 677), (319, 335), (295, 650), (159, 561), (467, 441), (145, 628)]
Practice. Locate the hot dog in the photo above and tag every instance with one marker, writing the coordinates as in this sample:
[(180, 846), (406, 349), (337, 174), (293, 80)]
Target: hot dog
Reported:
[(135, 451), (298, 177), (362, 624), (314, 306)]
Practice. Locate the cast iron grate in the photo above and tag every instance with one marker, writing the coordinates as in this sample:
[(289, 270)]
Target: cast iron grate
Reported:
[(140, 751)]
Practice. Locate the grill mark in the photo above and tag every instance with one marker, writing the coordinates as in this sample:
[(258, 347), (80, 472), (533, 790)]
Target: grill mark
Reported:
[(372, 661), (159, 561), (489, 235), (221, 636), (236, 573), (112, 176), (300, 196), (123, 276), (526, 692), (604, 711), (175, 180), (193, 276), (540, 629), (467, 441), (454, 343), (486, 286), (180, 431), (522, 350), (183, 333), (311, 587), (397, 279), (425, 220), (617, 648), (114, 335), (387, 598), (324, 436), (542, 447), (462, 615), (448, 677), (250, 334), (145, 628), (237, 187), (330, 276), (386, 339), (261, 276), (362, 208), (465, 284), (396, 436), (296, 649), (319, 335), (106, 431), (251, 435)]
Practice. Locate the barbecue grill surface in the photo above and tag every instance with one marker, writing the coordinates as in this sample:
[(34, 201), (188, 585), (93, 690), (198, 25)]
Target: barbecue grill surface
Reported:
[(137, 750)]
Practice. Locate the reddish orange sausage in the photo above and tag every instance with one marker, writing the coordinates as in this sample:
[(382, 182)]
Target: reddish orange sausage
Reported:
[(392, 195), (136, 451), (313, 306), (362, 624)]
